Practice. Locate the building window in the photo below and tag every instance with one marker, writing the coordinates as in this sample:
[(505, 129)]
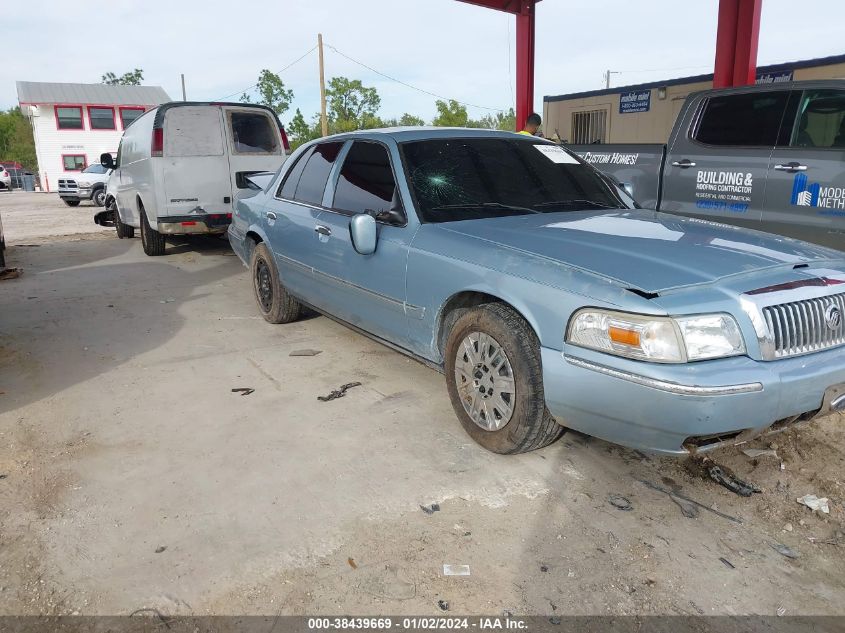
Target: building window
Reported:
[(101, 118), (69, 118), (128, 115), (742, 120), (74, 162), (589, 127)]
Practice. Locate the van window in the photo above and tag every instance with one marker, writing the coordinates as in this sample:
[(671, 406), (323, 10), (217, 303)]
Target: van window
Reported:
[(314, 177), (366, 180), (193, 131), (750, 119), (253, 133), (821, 120), (288, 187)]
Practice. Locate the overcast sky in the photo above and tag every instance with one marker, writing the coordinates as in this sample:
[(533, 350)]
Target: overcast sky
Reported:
[(445, 47)]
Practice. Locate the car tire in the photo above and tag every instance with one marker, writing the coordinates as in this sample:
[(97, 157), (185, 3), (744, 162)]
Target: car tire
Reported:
[(274, 302), (152, 241), (99, 197), (491, 347), (123, 230), (72, 203)]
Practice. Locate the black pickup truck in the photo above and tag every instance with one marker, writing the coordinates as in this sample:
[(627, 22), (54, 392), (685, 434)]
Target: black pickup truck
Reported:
[(770, 157)]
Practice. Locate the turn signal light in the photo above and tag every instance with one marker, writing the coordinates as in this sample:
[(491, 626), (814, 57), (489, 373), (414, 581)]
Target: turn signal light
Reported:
[(623, 336)]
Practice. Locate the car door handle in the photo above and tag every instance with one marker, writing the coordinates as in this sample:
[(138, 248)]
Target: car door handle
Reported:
[(683, 163), (271, 216), (323, 230), (791, 167)]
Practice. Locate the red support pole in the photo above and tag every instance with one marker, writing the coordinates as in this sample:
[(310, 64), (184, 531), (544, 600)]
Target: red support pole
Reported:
[(736, 43), (723, 70), (524, 62)]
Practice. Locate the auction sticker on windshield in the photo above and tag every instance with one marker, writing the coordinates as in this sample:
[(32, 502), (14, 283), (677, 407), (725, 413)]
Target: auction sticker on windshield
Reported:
[(556, 154)]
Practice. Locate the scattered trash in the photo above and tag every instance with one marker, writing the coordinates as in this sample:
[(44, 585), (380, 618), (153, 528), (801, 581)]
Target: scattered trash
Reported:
[(434, 507), (815, 503), (727, 563), (244, 391), (554, 620), (725, 476), (467, 533), (3, 476), (650, 581), (785, 550), (10, 273), (160, 549), (305, 352), (352, 563), (654, 486), (544, 568), (444, 606), (456, 570), (507, 613), (168, 300), (338, 393), (781, 611), (753, 453), (688, 508), (620, 502), (787, 527)]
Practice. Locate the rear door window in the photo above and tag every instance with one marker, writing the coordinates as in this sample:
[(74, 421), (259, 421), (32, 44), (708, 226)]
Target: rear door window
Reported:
[(821, 120), (366, 180), (253, 133), (288, 186), (315, 175), (193, 131), (742, 120)]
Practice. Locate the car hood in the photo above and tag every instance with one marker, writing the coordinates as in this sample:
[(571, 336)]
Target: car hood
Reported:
[(645, 250)]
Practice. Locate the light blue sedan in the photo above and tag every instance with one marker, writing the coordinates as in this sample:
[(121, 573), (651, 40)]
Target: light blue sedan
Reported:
[(547, 299)]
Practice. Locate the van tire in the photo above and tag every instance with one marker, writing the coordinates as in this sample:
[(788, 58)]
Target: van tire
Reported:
[(152, 240), (275, 304), (530, 426), (123, 230)]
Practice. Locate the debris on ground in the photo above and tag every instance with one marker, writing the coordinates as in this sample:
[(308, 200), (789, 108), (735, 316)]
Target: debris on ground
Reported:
[(168, 300), (244, 391), (431, 509), (620, 502), (754, 453), (305, 352), (815, 503), (456, 570), (688, 508), (338, 393), (444, 606), (727, 563), (785, 550), (10, 273), (722, 475), (160, 549), (544, 568), (352, 563), (654, 486)]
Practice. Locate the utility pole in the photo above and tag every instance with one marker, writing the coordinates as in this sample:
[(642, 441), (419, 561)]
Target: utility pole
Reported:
[(324, 123), (607, 75), (184, 96)]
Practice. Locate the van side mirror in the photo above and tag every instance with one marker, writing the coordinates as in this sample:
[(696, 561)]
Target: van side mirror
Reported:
[(107, 161), (362, 228)]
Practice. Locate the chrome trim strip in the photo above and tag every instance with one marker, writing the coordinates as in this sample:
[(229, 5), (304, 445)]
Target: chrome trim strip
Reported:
[(663, 385)]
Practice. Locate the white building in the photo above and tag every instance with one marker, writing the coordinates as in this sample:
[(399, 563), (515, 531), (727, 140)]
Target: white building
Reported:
[(74, 123)]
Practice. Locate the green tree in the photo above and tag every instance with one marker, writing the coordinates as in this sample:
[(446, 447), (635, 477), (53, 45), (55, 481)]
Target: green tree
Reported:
[(16, 142), (132, 78), (450, 114), (271, 92), (301, 131), (351, 105), (410, 119), (505, 120)]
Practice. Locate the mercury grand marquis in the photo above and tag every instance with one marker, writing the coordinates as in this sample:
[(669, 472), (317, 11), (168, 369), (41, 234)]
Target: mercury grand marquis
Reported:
[(545, 296)]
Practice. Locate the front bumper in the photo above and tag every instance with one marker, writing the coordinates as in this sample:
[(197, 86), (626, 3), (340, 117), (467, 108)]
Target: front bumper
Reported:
[(662, 408), (79, 194), (195, 223)]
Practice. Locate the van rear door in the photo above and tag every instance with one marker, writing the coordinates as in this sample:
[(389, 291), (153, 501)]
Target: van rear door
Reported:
[(196, 169), (254, 140)]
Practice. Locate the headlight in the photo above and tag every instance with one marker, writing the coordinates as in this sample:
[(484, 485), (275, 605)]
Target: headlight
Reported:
[(654, 338), (82, 183)]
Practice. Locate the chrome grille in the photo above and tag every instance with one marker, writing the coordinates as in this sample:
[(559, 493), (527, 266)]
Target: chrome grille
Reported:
[(800, 327)]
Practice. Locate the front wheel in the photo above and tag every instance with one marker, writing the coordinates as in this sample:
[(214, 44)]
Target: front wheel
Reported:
[(99, 197), (72, 203), (495, 381), (152, 240), (123, 230), (274, 302)]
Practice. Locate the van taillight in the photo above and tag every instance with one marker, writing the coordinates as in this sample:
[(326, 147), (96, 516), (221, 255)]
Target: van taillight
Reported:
[(157, 142), (285, 142)]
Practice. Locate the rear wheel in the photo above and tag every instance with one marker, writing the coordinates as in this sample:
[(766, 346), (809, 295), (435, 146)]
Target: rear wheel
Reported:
[(72, 203), (152, 240), (495, 381), (123, 230), (274, 302), (99, 197)]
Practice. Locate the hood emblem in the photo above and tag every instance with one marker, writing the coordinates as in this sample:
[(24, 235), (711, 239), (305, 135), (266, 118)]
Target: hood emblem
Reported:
[(833, 317)]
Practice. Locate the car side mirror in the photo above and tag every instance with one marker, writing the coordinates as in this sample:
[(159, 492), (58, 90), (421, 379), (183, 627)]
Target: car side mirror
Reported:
[(107, 161), (628, 188), (362, 228)]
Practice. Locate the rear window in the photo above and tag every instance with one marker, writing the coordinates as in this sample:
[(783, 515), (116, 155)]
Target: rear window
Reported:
[(193, 131), (314, 177), (751, 119), (253, 133)]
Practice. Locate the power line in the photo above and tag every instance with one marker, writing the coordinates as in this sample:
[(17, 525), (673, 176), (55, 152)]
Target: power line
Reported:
[(407, 85), (296, 61)]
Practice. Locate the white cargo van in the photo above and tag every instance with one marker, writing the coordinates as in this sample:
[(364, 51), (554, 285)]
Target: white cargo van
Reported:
[(180, 166)]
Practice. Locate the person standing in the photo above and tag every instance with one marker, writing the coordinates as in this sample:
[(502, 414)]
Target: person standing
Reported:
[(532, 125)]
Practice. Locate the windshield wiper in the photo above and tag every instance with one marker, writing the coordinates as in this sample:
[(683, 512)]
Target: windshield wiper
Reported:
[(578, 202), (484, 205)]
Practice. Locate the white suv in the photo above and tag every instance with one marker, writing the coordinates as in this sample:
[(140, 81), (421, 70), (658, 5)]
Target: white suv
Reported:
[(5, 179), (89, 185)]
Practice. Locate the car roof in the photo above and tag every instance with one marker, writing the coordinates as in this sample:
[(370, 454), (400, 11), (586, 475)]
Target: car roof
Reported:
[(420, 133)]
